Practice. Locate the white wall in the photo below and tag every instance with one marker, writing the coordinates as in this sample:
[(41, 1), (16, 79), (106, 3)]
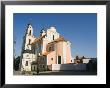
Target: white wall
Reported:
[(86, 60), (50, 32), (64, 51), (30, 58), (27, 41), (68, 66)]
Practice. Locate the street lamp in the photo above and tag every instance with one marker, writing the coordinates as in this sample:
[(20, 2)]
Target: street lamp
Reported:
[(38, 57)]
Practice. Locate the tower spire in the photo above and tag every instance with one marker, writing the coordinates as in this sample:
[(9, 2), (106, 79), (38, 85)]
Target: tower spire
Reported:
[(29, 29)]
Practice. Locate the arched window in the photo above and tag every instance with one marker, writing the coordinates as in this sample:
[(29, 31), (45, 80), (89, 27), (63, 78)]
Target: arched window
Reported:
[(30, 32), (26, 64), (50, 48), (53, 37), (29, 41), (52, 59)]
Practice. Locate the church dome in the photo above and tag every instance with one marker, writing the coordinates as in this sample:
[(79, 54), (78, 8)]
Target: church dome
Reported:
[(52, 29)]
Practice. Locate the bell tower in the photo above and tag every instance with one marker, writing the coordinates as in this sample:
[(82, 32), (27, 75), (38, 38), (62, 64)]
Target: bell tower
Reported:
[(28, 37), (29, 30), (28, 51)]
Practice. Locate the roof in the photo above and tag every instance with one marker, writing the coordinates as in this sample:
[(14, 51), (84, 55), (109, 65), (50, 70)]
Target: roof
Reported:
[(45, 53), (38, 39), (58, 40)]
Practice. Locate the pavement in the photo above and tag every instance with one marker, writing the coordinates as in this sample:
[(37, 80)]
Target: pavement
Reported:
[(68, 73), (61, 73)]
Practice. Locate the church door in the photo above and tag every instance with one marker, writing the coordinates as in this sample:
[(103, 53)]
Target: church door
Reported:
[(59, 59)]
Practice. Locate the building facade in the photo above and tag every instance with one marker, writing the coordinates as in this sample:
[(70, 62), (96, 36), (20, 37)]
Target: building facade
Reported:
[(50, 48), (56, 48)]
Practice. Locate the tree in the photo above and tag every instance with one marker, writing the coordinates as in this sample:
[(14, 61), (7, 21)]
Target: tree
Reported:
[(16, 63), (77, 57), (81, 61), (83, 57)]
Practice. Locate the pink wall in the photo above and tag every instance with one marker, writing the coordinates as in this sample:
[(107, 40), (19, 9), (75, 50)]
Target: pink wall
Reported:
[(68, 55), (59, 48), (51, 55), (54, 54), (59, 52)]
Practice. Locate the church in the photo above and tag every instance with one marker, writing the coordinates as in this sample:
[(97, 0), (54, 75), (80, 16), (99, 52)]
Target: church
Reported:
[(40, 53)]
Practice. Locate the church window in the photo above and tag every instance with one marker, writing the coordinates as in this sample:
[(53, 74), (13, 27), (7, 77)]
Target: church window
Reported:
[(29, 41), (50, 48), (30, 32), (26, 63), (59, 59), (43, 66), (52, 59), (53, 37)]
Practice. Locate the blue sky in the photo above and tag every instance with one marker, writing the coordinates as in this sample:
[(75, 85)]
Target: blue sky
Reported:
[(79, 28)]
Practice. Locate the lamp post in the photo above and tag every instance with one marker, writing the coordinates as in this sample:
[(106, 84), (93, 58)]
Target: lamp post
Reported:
[(38, 56)]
